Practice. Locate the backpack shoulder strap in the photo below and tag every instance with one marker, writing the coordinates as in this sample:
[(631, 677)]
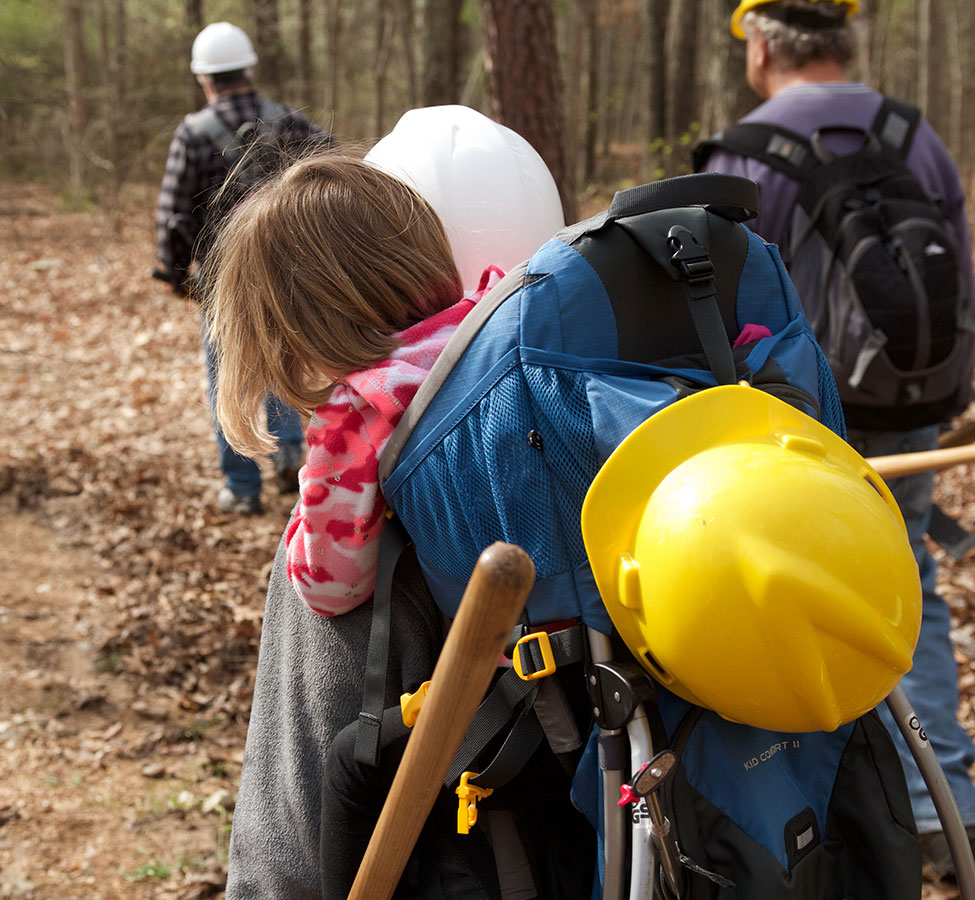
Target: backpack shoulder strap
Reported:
[(271, 109), (393, 541), (206, 122), (272, 112), (779, 148), (459, 340), (895, 124)]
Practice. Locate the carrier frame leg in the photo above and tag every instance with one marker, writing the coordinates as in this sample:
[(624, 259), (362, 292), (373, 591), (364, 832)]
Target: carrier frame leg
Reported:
[(934, 777)]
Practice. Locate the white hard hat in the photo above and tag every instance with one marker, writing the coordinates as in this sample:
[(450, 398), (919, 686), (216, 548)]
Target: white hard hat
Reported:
[(494, 194), (221, 47)]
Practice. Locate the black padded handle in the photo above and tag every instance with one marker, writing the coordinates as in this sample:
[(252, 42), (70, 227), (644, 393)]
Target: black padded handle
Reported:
[(870, 141), (730, 196)]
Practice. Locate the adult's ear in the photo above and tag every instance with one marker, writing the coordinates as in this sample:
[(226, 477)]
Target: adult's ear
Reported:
[(758, 47)]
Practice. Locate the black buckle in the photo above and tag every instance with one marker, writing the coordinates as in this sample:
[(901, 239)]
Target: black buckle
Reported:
[(690, 256)]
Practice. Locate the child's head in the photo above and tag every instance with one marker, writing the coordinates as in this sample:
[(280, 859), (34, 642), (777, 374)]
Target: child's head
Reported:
[(312, 276)]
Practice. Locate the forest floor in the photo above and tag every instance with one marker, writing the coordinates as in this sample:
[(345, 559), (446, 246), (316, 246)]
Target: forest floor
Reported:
[(130, 608)]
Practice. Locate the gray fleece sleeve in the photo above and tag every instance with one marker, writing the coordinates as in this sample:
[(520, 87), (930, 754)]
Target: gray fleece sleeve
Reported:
[(308, 687)]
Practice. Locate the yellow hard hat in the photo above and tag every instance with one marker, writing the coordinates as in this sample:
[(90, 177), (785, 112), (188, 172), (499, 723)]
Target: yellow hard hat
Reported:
[(747, 5), (754, 563)]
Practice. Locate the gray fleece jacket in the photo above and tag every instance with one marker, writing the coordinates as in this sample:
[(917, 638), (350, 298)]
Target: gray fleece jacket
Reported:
[(308, 687)]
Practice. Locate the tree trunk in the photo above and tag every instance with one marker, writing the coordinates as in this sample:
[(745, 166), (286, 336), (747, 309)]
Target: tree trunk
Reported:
[(333, 58), (304, 52), (879, 31), (267, 43), (867, 16), (631, 54), (193, 13), (726, 96), (380, 66), (525, 84), (406, 16), (924, 36), (590, 140), (441, 40), (966, 138), (113, 41), (681, 64), (956, 78), (935, 75), (657, 68), (75, 72)]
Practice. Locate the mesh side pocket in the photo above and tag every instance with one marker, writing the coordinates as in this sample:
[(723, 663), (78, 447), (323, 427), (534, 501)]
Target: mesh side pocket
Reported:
[(830, 410), (515, 468), (563, 417)]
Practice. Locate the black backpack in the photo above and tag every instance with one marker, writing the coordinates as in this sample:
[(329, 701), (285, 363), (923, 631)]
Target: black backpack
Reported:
[(876, 267), (250, 153)]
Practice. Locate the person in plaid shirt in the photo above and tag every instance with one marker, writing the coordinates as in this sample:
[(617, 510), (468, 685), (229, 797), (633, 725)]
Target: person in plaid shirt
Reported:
[(196, 171)]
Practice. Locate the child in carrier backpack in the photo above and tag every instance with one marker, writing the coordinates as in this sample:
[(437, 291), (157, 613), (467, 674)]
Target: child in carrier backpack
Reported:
[(335, 285), (336, 288)]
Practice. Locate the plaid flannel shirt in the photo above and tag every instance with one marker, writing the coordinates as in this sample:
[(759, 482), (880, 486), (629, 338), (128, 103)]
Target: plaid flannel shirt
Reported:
[(195, 170)]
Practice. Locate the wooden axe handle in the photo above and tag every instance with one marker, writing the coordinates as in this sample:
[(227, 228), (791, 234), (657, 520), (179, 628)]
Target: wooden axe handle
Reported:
[(923, 461), (488, 612)]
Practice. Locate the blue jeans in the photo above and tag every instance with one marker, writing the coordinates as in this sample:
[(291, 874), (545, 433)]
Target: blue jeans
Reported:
[(242, 475), (932, 683)]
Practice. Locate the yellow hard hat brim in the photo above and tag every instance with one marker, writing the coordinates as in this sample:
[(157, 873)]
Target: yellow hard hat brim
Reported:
[(748, 5)]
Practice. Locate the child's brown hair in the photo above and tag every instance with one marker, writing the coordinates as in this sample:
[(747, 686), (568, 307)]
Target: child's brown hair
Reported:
[(312, 276)]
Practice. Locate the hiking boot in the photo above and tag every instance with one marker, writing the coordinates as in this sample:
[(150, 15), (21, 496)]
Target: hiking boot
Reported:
[(287, 463), (230, 502), (937, 858)]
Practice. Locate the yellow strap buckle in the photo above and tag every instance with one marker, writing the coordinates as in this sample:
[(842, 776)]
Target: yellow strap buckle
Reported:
[(548, 658), (469, 794), (410, 704)]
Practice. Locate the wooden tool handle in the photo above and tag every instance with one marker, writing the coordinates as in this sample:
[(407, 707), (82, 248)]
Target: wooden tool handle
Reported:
[(923, 461), (488, 612)]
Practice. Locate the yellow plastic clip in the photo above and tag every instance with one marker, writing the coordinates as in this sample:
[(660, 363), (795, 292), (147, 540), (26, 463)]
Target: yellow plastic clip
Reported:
[(410, 704), (469, 794), (548, 658)]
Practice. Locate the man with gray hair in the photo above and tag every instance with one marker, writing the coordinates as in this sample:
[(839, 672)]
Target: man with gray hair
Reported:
[(196, 169), (797, 56)]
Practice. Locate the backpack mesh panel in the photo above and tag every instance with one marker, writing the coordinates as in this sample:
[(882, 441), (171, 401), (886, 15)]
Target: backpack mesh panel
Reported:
[(830, 409), (494, 452), (561, 408)]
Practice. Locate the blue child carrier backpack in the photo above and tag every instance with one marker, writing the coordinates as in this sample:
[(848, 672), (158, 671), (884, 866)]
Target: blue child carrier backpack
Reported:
[(615, 318)]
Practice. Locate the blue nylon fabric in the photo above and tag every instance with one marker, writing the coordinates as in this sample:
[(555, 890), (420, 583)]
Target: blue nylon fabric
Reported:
[(766, 295), (570, 313), (760, 779)]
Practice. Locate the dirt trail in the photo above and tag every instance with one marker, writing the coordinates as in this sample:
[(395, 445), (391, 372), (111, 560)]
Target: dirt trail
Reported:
[(129, 609)]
